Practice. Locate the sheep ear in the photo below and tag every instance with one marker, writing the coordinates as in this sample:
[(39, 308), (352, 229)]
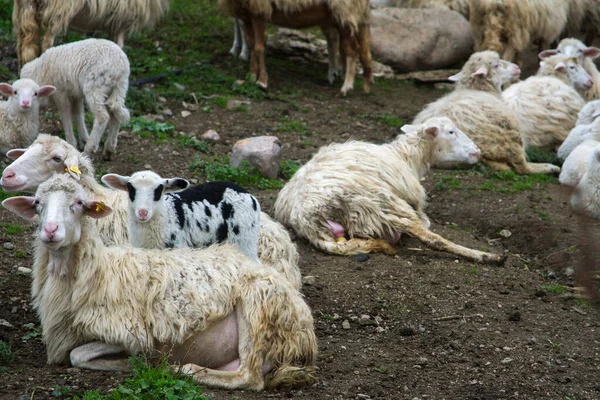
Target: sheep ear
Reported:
[(115, 181), (15, 153), (46, 91), (456, 77), (6, 89), (481, 72), (408, 129), (547, 53), (431, 131), (591, 52), (72, 167), (175, 184), (96, 209), (23, 206), (560, 66)]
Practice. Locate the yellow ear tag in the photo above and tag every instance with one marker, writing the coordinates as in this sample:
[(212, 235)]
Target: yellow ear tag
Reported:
[(99, 207), (340, 239), (74, 169)]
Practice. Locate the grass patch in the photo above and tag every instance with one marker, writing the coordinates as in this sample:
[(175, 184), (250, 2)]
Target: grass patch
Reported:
[(11, 229), (287, 125), (553, 288), (447, 183), (542, 156), (384, 119), (193, 143), (218, 169), (148, 129), (7, 357), (288, 168), (509, 181)]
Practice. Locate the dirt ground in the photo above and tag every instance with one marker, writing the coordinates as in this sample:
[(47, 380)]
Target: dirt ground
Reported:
[(437, 328)]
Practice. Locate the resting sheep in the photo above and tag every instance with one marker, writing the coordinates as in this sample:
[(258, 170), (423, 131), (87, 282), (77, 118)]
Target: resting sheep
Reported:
[(586, 197), (578, 135), (547, 104), (50, 154), (94, 70), (115, 17), (460, 6), (20, 114), (475, 106), (589, 113), (576, 163), (372, 193), (234, 324), (349, 17)]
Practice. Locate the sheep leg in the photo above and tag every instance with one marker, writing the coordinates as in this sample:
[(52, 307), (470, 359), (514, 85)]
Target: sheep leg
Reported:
[(519, 164), (112, 134), (64, 110), (77, 112), (364, 40), (249, 31), (333, 53), (96, 104), (498, 166), (120, 39), (349, 46), (26, 28), (89, 356), (48, 39), (237, 33), (259, 26)]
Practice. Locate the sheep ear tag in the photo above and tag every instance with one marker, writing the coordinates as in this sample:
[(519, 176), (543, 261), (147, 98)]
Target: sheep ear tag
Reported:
[(97, 209), (74, 171)]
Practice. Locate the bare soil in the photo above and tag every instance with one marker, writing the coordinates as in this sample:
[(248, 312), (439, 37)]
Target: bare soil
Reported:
[(438, 327)]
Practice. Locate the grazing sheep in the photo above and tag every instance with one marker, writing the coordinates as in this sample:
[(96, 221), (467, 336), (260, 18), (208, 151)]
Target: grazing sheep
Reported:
[(56, 16), (372, 193), (578, 135), (20, 114), (589, 113), (586, 197), (476, 108), (349, 17), (234, 324), (50, 154), (547, 104), (198, 216), (96, 70), (508, 27), (576, 163), (585, 55)]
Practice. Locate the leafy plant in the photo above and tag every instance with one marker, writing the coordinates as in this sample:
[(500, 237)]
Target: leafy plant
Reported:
[(553, 288), (200, 145), (288, 168), (146, 128), (7, 357), (61, 391), (11, 229), (34, 332), (218, 169)]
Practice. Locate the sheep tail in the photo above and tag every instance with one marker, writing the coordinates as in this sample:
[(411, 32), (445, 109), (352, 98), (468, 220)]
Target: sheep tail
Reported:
[(116, 105), (353, 246), (26, 27)]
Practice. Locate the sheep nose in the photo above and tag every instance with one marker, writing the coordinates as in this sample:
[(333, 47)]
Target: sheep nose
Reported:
[(25, 103), (7, 174), (50, 229), (143, 214)]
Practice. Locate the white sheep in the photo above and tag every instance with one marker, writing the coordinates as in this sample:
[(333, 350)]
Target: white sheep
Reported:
[(547, 104), (20, 114), (94, 70), (576, 163), (234, 324), (586, 197), (589, 113), (240, 45), (460, 6), (578, 135), (475, 106), (166, 213), (373, 193), (49, 155)]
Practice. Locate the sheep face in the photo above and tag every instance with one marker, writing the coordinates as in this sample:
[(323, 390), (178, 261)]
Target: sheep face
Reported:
[(572, 48), (36, 164), (575, 73), (23, 94), (487, 66), (146, 190), (452, 144)]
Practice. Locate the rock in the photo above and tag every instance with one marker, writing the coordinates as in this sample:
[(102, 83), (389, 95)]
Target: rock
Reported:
[(419, 39), (185, 113), (514, 316), (162, 99), (361, 257), (179, 86), (147, 166), (505, 233), (160, 118), (365, 320), (346, 324), (262, 152), (570, 271), (309, 280), (231, 104), (73, 370), (507, 360), (211, 135), (167, 112), (8, 246), (24, 270), (407, 331)]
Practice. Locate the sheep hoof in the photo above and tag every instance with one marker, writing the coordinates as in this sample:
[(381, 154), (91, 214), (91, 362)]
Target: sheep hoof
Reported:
[(107, 155), (261, 85)]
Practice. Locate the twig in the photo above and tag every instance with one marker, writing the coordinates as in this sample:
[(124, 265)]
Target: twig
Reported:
[(577, 310), (560, 251), (451, 317)]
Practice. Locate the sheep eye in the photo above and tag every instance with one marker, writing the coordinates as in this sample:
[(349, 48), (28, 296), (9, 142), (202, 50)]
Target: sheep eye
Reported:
[(80, 202), (16, 92), (35, 93), (56, 159), (452, 132)]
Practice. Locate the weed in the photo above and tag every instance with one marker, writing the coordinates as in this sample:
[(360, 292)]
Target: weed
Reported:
[(381, 370), (11, 229), (326, 317), (538, 155), (583, 303), (288, 168), (553, 288), (402, 309), (473, 271), (200, 145), (510, 182), (447, 182), (61, 391), (218, 169), (544, 216), (147, 129), (462, 228), (384, 119), (288, 125), (220, 101), (7, 357), (34, 332), (20, 254)]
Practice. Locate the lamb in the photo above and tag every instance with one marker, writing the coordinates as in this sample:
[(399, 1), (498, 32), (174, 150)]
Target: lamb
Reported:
[(589, 113), (578, 135), (547, 104), (576, 163), (50, 154), (350, 18), (20, 114), (585, 55), (476, 108), (586, 197), (97, 71), (507, 27), (232, 323), (214, 212), (372, 193), (56, 16)]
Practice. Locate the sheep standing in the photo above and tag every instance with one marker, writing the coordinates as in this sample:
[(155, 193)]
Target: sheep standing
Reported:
[(349, 17), (547, 104), (232, 323), (49, 155), (115, 17), (586, 197), (20, 114), (475, 106), (372, 193), (94, 70)]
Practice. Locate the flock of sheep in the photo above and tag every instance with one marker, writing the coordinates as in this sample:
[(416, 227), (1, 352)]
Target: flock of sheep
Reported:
[(143, 274)]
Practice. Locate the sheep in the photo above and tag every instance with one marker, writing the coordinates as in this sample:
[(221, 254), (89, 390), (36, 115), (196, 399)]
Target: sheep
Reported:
[(589, 113), (350, 18), (166, 213), (577, 136), (56, 16), (460, 6), (20, 114), (240, 46), (575, 48), (547, 104), (476, 108), (232, 323), (507, 27), (372, 193), (576, 163), (586, 197), (96, 70), (50, 154)]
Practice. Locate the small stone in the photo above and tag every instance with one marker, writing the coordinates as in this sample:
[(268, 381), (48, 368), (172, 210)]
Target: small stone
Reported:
[(147, 166), (532, 340), (231, 104), (407, 331), (551, 275), (346, 324), (507, 360), (309, 280), (167, 112), (185, 113), (505, 233), (161, 99), (212, 135), (5, 323), (380, 329), (8, 246), (514, 316), (179, 86), (570, 271), (24, 270), (160, 118), (73, 370), (363, 396), (361, 257)]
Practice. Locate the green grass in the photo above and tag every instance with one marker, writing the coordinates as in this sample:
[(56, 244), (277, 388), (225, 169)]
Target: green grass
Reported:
[(288, 168), (11, 229), (193, 143), (7, 357), (218, 169), (543, 156), (384, 119), (509, 181), (553, 288), (447, 183), (287, 125)]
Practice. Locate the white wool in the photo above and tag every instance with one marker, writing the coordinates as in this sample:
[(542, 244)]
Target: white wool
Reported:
[(586, 198), (576, 163), (589, 113), (578, 135), (575, 48)]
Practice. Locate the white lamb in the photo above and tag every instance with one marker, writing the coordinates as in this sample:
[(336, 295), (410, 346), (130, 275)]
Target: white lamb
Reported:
[(94, 70), (477, 109), (547, 104), (49, 155), (576, 163), (586, 197), (20, 114), (373, 193), (234, 324), (578, 135), (589, 113), (575, 48)]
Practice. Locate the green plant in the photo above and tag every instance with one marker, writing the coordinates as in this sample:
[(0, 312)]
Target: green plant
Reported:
[(385, 119), (11, 229), (288, 168), (287, 125), (34, 332), (218, 169), (544, 216), (146, 128), (509, 181), (553, 288), (538, 155), (188, 142), (7, 357), (447, 182), (61, 391)]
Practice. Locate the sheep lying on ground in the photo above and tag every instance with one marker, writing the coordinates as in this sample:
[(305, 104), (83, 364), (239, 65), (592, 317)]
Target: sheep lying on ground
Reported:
[(508, 27), (56, 16), (96, 70), (50, 154), (20, 114), (576, 163), (476, 108), (547, 104), (586, 198), (578, 135), (372, 193), (589, 113), (232, 323), (585, 55), (349, 17), (460, 6)]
